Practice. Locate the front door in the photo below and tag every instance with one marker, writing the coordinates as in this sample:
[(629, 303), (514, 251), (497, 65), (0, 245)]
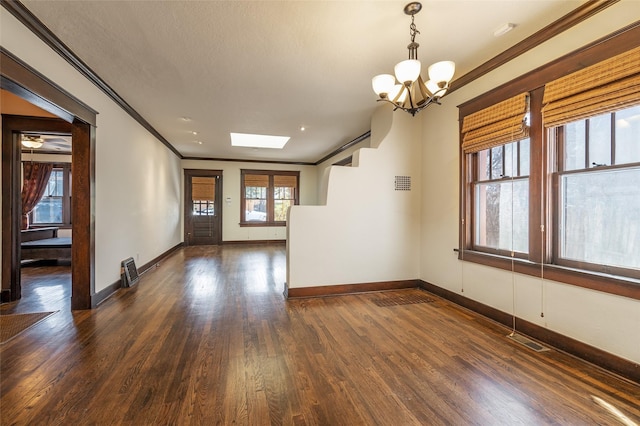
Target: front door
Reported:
[(203, 207)]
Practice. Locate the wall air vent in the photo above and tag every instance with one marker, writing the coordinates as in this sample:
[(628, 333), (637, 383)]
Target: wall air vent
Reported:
[(403, 183), (130, 272)]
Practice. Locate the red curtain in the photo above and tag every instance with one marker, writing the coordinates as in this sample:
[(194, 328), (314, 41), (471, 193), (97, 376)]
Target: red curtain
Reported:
[(35, 179)]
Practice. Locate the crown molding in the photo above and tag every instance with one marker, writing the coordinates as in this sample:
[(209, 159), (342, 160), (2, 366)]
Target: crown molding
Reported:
[(29, 20), (239, 160), (579, 14)]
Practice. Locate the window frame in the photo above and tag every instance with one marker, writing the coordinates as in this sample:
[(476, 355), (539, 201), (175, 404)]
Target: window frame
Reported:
[(476, 180), (557, 142), (539, 262), (66, 200), (270, 196)]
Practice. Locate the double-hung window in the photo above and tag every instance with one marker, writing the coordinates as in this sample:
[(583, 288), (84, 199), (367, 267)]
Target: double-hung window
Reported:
[(598, 195), (267, 195), (496, 139), (54, 208), (561, 198), (501, 198)]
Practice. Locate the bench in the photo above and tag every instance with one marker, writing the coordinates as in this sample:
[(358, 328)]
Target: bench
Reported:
[(44, 243)]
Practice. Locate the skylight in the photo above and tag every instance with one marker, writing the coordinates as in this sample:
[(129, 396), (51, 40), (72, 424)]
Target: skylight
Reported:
[(258, 141)]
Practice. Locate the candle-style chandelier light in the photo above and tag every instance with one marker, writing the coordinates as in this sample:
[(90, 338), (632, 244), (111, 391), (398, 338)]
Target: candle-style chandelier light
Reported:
[(406, 90)]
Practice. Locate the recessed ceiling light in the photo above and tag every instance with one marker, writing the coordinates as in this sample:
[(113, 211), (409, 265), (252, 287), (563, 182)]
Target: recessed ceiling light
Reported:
[(198, 142), (185, 118), (504, 29), (258, 141), (302, 128), (194, 133)]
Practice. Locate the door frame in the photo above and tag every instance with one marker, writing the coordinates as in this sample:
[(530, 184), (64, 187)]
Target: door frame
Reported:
[(20, 79), (190, 173)]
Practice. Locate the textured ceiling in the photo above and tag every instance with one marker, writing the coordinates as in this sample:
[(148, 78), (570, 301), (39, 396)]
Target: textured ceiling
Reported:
[(271, 67)]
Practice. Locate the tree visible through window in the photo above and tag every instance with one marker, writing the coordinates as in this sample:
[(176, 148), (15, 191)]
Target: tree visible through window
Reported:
[(267, 195)]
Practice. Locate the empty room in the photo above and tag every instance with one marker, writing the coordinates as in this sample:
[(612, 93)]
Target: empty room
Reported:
[(320, 212)]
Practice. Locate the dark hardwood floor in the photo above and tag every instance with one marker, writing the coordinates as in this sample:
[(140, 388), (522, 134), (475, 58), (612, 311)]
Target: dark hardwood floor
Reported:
[(207, 338), (46, 286)]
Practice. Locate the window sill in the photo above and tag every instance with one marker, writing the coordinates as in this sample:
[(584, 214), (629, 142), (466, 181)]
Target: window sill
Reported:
[(613, 284), (262, 224), (50, 225)]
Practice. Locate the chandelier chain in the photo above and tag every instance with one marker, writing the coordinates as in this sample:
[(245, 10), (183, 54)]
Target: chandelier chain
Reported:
[(413, 30)]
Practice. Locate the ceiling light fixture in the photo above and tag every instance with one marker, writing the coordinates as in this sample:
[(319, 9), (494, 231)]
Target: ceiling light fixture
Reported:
[(32, 142), (505, 28), (407, 90)]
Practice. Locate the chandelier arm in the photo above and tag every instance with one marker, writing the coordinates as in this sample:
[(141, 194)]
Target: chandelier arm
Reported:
[(410, 98), (423, 89), (414, 110)]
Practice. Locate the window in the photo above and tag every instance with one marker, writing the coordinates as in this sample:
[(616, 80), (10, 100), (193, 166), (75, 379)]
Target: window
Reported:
[(598, 196), (203, 190), (54, 208), (501, 198), (562, 201), (267, 195)]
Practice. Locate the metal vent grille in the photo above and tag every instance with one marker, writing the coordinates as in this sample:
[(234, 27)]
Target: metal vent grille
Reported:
[(403, 299), (403, 183), (129, 272), (527, 342)]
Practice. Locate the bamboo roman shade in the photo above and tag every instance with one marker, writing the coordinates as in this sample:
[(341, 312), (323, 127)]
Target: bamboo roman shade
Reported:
[(203, 188), (496, 125), (283, 181), (256, 180), (607, 86)]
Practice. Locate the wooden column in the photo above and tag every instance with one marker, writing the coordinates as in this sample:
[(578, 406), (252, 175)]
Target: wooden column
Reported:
[(83, 215)]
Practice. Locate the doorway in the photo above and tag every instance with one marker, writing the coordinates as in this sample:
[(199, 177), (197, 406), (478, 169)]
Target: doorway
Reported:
[(202, 207), (76, 119)]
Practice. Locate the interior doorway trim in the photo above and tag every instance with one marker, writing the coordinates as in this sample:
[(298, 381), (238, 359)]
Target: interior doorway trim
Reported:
[(24, 81), (34, 86), (190, 224)]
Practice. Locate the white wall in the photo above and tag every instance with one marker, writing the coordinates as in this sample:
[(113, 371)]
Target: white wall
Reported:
[(608, 322), (324, 167), (138, 179), (366, 231), (231, 229)]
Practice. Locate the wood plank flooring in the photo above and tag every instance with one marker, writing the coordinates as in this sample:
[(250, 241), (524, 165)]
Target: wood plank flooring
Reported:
[(207, 338)]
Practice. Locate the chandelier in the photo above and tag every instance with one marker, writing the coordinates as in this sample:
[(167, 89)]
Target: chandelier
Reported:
[(406, 90)]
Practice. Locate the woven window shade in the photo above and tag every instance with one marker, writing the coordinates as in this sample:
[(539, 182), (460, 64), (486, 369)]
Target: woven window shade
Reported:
[(607, 86), (256, 180), (203, 188), (283, 181), (496, 125)]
